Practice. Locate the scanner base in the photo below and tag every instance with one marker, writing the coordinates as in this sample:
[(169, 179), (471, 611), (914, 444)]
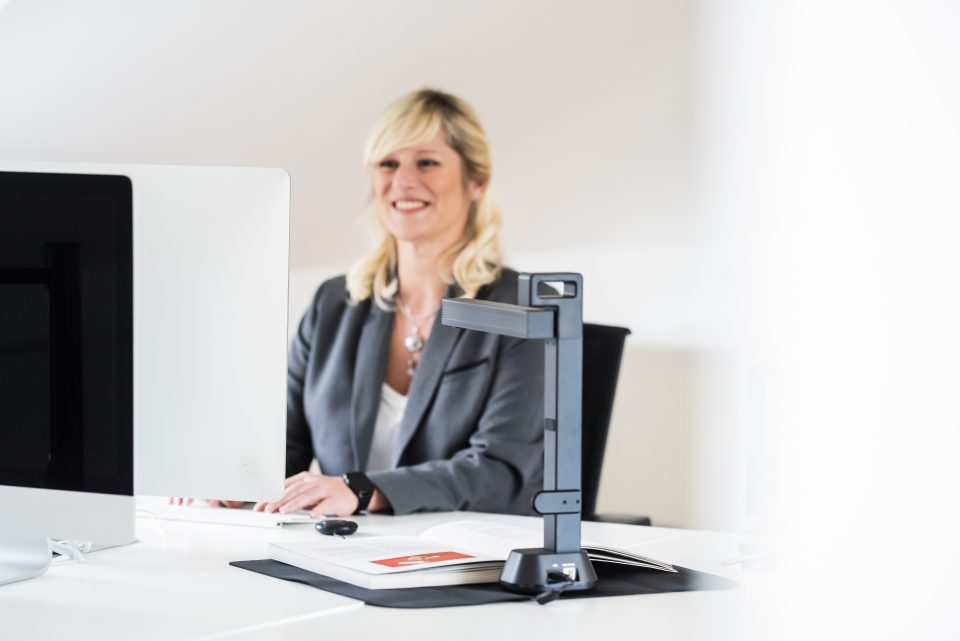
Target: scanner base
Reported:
[(528, 571)]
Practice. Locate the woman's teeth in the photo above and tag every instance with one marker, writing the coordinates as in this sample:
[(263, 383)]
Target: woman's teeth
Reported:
[(409, 204)]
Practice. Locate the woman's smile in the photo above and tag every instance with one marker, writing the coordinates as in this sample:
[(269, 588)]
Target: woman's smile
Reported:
[(410, 206)]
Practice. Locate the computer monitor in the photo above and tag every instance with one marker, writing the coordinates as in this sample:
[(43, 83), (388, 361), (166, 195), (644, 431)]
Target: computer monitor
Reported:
[(210, 265), (66, 365)]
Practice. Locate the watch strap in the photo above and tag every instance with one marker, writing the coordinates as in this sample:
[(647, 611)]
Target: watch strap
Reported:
[(362, 487)]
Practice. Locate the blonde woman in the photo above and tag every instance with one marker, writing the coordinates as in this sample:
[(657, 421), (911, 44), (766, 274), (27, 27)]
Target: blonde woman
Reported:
[(402, 413)]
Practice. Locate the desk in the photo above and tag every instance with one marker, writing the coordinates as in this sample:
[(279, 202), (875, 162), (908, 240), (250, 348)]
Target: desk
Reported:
[(175, 583)]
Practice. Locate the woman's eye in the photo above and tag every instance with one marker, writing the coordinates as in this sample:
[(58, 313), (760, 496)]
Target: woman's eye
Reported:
[(427, 162), (388, 164)]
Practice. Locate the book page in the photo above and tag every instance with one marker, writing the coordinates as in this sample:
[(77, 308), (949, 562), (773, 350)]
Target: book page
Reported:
[(490, 539), (385, 554), (497, 540)]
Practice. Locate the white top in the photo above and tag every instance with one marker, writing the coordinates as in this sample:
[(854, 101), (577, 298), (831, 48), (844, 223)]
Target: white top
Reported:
[(384, 444)]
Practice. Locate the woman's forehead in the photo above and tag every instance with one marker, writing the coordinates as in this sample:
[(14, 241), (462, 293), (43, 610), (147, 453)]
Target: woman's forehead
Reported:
[(435, 144), (407, 134)]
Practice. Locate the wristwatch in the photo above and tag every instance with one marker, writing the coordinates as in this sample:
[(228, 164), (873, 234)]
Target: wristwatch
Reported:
[(362, 487)]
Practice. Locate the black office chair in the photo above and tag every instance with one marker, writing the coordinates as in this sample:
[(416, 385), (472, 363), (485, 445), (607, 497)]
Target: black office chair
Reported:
[(602, 354)]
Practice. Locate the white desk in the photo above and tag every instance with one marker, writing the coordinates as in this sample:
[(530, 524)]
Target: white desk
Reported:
[(175, 583)]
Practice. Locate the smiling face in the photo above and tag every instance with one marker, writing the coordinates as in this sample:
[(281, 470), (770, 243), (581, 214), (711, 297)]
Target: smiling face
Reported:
[(421, 193)]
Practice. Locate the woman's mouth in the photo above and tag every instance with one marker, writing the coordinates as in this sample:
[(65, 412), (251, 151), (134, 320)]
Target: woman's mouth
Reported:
[(410, 205)]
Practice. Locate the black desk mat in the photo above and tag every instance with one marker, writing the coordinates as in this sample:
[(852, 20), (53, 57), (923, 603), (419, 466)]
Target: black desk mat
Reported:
[(613, 580)]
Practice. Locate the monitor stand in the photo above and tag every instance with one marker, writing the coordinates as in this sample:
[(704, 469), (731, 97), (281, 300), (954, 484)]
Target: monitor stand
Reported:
[(23, 558)]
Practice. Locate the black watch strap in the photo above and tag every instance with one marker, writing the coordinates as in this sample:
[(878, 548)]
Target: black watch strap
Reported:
[(362, 487)]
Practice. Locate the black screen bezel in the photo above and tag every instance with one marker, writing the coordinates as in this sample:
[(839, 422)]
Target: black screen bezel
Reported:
[(120, 190)]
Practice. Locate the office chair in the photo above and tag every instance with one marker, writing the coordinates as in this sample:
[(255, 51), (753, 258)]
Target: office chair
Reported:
[(602, 354)]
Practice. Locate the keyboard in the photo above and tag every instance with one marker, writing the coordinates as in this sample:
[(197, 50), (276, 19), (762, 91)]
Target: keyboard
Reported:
[(224, 516)]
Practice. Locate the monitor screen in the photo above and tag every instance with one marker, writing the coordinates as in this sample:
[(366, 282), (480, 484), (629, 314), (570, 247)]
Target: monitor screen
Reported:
[(66, 332)]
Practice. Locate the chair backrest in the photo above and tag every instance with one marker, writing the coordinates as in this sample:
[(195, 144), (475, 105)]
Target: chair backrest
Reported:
[(602, 354)]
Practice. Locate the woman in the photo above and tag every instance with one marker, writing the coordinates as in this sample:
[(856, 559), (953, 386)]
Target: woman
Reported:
[(401, 412)]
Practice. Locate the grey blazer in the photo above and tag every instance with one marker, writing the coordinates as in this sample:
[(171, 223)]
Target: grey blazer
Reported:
[(471, 437)]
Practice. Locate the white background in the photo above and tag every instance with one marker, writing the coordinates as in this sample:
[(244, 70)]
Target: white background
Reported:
[(765, 193)]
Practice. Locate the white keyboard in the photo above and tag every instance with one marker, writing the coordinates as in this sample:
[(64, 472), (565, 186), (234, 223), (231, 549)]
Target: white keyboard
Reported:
[(224, 516)]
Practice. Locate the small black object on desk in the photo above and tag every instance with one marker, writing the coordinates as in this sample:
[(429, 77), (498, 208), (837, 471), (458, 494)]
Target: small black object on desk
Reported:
[(337, 527), (550, 308)]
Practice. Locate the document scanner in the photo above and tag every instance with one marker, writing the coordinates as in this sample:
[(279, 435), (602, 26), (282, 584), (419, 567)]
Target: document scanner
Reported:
[(549, 308)]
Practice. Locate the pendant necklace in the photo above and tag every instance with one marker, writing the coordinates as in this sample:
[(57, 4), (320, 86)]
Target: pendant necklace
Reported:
[(413, 342)]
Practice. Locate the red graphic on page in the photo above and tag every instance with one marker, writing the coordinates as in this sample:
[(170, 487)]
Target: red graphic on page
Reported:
[(421, 559)]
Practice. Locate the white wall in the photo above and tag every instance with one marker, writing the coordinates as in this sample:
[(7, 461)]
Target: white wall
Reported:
[(594, 114)]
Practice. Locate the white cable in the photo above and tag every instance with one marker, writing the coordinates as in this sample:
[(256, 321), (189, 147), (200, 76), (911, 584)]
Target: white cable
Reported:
[(158, 519), (69, 551)]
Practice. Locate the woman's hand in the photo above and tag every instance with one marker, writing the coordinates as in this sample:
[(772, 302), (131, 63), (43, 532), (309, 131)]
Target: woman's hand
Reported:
[(179, 500), (321, 496)]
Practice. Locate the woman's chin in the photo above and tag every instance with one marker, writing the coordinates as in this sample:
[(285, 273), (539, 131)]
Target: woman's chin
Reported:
[(412, 239), (409, 231)]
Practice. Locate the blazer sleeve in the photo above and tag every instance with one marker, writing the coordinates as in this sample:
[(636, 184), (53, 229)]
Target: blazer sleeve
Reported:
[(299, 443), (503, 465)]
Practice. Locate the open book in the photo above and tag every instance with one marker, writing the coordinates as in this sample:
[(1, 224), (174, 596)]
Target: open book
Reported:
[(448, 554)]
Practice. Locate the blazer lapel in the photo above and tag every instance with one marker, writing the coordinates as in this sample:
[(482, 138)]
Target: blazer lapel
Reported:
[(368, 376), (424, 385)]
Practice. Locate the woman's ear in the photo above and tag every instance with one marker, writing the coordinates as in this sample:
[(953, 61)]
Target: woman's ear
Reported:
[(475, 191)]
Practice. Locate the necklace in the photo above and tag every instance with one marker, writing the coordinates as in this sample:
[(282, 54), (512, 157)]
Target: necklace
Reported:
[(413, 342)]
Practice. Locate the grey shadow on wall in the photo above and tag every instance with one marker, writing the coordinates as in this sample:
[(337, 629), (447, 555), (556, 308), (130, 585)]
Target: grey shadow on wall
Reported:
[(674, 448)]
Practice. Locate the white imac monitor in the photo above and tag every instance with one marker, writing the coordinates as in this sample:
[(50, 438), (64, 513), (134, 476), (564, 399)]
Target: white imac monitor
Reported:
[(66, 365), (210, 280)]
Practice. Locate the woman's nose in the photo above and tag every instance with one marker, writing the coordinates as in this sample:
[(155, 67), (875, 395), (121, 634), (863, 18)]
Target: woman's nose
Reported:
[(405, 176)]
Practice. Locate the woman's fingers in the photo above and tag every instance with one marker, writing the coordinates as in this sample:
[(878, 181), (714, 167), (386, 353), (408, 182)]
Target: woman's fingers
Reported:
[(297, 478), (306, 490), (180, 500), (322, 509), (307, 499), (290, 494), (309, 493), (224, 503), (337, 504)]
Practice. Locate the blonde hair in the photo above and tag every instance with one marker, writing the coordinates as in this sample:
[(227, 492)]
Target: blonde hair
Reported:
[(412, 120)]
